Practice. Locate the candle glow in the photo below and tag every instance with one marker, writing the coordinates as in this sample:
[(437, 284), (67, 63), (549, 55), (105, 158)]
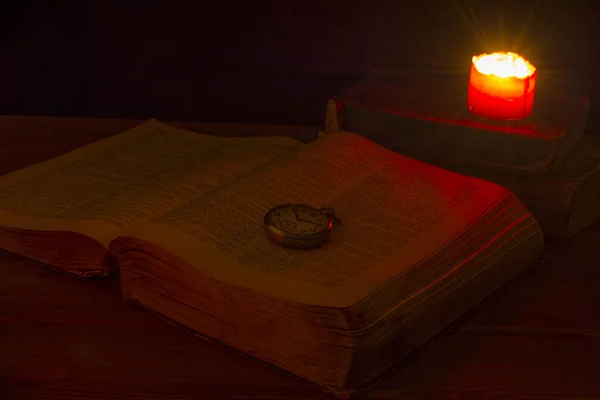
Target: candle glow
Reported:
[(501, 86)]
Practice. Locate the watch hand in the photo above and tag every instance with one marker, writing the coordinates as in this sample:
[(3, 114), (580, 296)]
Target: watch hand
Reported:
[(296, 214)]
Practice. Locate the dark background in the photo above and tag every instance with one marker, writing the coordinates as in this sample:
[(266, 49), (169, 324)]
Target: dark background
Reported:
[(267, 61)]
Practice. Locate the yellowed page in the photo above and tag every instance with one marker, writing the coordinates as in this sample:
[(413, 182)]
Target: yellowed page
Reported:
[(396, 211), (104, 188)]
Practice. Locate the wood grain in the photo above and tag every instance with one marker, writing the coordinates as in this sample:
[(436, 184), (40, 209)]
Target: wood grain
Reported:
[(66, 338)]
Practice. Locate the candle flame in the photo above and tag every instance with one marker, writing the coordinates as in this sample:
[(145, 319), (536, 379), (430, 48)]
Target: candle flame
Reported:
[(503, 65)]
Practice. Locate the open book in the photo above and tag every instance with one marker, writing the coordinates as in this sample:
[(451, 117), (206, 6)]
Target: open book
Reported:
[(418, 246)]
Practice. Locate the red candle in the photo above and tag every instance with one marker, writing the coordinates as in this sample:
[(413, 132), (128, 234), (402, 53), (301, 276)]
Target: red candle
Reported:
[(502, 86)]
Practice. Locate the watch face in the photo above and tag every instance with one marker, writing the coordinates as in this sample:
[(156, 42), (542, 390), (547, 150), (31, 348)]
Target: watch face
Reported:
[(298, 219)]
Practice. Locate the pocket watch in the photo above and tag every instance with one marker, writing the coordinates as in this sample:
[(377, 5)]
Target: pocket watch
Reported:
[(299, 226)]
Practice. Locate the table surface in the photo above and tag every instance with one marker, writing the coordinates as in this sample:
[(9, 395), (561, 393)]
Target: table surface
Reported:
[(63, 337)]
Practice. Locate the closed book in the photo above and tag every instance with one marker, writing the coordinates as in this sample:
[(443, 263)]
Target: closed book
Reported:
[(426, 117)]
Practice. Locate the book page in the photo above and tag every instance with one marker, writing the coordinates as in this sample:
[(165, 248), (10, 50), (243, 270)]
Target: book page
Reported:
[(396, 211), (104, 188)]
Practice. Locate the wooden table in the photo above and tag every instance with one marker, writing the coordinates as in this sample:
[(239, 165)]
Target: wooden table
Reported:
[(66, 338)]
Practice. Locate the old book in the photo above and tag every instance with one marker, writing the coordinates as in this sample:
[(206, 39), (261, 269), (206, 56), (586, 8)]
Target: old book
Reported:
[(418, 246), (426, 117), (180, 215), (564, 201), (64, 212)]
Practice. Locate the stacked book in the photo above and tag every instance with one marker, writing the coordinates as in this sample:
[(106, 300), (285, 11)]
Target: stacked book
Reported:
[(548, 159), (179, 217)]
